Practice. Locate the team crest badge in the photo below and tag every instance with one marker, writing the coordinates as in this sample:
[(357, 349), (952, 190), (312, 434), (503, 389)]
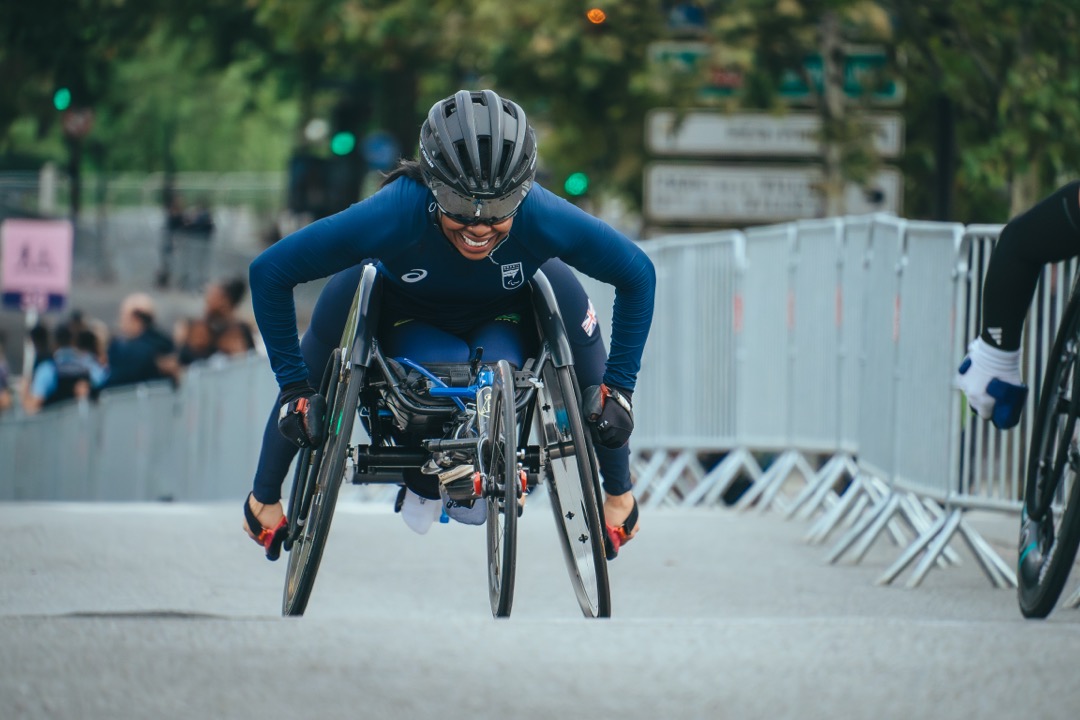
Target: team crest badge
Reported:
[(512, 276)]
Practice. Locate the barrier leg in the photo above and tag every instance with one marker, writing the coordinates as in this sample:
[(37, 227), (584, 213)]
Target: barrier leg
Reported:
[(779, 468), (913, 551), (928, 511), (883, 521), (717, 481), (814, 495), (933, 552), (771, 494), (884, 509), (646, 472), (766, 490), (857, 491), (999, 572), (685, 462)]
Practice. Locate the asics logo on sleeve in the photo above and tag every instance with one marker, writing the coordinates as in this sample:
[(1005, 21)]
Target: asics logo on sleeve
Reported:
[(414, 275)]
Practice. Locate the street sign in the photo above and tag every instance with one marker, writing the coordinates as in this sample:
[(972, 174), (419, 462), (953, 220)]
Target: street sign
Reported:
[(35, 263), (865, 73), (701, 194), (747, 134)]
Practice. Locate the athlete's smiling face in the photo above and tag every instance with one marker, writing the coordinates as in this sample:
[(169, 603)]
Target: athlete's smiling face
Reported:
[(474, 241)]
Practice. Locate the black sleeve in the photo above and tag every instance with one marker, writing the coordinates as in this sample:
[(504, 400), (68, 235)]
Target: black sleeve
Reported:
[(1048, 232)]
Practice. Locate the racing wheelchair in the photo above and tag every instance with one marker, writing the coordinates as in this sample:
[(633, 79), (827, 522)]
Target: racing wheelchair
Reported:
[(515, 427)]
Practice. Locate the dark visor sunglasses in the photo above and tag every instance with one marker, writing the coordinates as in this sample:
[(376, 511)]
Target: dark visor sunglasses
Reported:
[(476, 211)]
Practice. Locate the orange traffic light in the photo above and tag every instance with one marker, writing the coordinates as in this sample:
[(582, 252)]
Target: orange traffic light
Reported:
[(596, 16)]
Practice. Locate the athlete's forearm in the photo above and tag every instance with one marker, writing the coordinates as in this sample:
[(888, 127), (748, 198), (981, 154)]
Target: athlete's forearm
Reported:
[(1048, 232)]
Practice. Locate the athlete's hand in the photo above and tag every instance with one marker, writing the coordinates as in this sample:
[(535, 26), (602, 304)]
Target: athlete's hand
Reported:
[(302, 418), (990, 378), (611, 412)]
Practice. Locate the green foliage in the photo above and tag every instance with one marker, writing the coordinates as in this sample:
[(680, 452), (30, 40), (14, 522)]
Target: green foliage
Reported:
[(222, 85), (588, 85), (1009, 68)]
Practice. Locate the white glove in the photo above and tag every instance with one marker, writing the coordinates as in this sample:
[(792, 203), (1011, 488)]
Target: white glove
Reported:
[(990, 378)]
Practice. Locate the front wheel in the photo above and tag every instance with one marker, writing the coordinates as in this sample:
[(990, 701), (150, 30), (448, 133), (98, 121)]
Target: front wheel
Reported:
[(502, 487), (573, 484), (1050, 526)]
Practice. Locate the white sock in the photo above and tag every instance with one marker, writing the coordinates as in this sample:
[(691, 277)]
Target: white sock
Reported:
[(419, 512)]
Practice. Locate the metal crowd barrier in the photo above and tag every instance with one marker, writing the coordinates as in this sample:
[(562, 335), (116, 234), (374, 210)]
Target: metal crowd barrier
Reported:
[(144, 442), (838, 367)]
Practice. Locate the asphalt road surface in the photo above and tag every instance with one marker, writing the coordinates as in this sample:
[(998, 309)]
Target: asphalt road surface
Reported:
[(168, 611)]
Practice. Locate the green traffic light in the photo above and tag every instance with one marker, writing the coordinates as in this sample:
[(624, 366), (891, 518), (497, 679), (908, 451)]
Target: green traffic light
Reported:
[(342, 143), (576, 184), (62, 99)]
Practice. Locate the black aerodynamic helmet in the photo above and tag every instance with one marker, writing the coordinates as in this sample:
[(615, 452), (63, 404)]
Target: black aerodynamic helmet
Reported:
[(478, 156)]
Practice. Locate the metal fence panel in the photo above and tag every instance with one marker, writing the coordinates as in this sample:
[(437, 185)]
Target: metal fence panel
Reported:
[(815, 336), (926, 408), (762, 365), (877, 402), (687, 390), (853, 269), (44, 456)]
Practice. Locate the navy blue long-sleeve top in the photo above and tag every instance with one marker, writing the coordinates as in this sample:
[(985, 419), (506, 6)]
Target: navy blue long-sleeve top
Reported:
[(398, 226)]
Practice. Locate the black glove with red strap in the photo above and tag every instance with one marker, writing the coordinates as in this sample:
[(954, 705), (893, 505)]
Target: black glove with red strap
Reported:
[(302, 419), (611, 413)]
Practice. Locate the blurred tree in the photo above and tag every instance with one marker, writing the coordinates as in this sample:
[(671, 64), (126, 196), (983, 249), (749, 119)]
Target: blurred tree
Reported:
[(1001, 77), (587, 84), (214, 84), (769, 40), (72, 44)]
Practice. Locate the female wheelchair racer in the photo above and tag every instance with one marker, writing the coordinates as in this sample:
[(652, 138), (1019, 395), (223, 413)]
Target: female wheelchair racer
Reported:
[(457, 235)]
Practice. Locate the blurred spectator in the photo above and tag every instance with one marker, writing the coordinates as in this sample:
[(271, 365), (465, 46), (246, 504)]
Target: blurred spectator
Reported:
[(141, 352), (221, 300), (196, 341), (219, 331), (41, 346), (39, 341), (185, 244), (174, 223), (91, 335), (72, 372), (235, 339), (195, 236)]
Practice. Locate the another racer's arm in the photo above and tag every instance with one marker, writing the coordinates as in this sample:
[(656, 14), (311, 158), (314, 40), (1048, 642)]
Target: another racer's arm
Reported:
[(990, 374)]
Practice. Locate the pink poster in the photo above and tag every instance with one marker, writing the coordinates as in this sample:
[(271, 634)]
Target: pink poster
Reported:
[(35, 261)]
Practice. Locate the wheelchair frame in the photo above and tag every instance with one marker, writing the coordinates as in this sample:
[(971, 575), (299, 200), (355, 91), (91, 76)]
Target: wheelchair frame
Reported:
[(546, 405)]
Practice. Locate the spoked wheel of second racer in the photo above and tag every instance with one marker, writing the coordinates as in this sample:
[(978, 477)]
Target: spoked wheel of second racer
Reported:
[(1050, 524), (502, 486), (573, 484), (322, 482)]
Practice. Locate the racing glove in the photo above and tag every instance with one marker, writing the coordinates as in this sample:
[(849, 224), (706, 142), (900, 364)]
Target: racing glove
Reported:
[(611, 413), (302, 418), (990, 379)]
